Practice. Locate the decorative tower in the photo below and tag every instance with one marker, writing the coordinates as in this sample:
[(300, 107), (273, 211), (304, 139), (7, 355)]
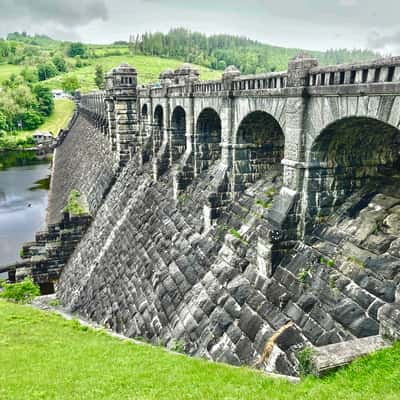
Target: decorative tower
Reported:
[(121, 85)]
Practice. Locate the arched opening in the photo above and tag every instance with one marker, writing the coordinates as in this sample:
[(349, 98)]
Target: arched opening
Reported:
[(348, 155), (260, 146), (208, 139), (145, 111), (178, 133), (158, 128), (144, 119)]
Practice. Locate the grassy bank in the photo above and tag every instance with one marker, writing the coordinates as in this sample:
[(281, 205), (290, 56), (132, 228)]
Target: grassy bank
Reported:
[(46, 357), (62, 113)]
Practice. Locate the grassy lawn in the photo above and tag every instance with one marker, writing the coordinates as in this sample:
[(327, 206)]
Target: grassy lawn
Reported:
[(62, 113), (149, 69), (43, 356), (7, 69), (59, 119)]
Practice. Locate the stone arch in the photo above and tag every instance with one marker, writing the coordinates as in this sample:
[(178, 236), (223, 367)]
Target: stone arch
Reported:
[(207, 139), (178, 133), (158, 127), (144, 119), (350, 154), (145, 110), (259, 146)]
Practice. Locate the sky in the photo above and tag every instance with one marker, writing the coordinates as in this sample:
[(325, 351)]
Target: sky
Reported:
[(307, 24)]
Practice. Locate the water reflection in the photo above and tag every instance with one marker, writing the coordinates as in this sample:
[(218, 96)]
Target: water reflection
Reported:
[(22, 210)]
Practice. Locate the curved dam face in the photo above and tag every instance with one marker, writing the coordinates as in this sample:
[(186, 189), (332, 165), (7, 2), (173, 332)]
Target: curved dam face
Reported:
[(83, 162), (225, 212), (148, 268)]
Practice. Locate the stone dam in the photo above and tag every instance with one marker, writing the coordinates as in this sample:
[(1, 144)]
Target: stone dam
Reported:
[(219, 211)]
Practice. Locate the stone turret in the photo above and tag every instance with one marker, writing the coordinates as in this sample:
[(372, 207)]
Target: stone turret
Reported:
[(167, 76), (299, 68), (186, 72), (229, 75), (121, 90), (122, 81)]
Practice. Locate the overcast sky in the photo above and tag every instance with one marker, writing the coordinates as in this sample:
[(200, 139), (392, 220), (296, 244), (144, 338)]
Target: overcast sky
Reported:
[(309, 24)]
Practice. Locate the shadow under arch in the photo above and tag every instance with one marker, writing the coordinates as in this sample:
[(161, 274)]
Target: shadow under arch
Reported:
[(259, 147), (158, 128), (207, 139), (350, 154), (178, 133)]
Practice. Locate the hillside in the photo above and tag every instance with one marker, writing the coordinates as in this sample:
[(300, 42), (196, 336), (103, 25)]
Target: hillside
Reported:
[(148, 67), (41, 55), (82, 363)]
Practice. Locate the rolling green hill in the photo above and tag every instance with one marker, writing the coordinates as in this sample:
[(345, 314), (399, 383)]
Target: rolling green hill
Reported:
[(148, 67)]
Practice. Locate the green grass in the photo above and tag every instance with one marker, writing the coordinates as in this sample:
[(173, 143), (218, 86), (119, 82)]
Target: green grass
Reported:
[(46, 357), (59, 119), (62, 113), (76, 203), (6, 70), (149, 69)]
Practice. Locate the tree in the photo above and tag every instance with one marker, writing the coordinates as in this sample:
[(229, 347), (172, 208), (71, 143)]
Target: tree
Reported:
[(60, 63), (46, 71), (3, 122), (76, 49), (29, 75), (99, 77), (70, 84), (45, 99), (31, 119)]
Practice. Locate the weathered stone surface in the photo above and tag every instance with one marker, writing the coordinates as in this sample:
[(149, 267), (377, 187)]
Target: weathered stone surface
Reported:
[(205, 247), (330, 357)]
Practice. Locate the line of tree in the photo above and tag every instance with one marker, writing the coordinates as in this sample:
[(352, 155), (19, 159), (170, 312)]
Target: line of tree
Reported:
[(219, 51)]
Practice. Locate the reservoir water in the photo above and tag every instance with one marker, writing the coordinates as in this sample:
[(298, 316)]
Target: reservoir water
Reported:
[(23, 203)]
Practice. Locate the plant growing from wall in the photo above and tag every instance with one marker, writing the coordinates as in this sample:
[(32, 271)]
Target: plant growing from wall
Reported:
[(21, 292), (75, 203), (238, 236), (303, 275), (306, 366), (356, 261), (178, 346), (327, 261)]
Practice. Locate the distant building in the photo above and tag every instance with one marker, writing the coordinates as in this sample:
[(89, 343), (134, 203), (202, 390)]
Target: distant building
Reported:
[(59, 94), (43, 138)]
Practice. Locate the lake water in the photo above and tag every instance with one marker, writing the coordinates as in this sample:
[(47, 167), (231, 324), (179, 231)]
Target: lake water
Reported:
[(23, 203)]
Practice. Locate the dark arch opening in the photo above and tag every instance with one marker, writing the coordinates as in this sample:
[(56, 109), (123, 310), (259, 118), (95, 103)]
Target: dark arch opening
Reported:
[(158, 128), (261, 146), (208, 139), (144, 119), (351, 154), (178, 133), (145, 111)]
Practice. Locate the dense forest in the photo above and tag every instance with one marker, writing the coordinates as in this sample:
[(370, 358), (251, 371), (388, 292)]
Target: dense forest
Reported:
[(219, 51)]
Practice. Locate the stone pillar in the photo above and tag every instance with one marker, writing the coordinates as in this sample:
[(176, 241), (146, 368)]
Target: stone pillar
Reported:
[(285, 211), (121, 85), (127, 128), (228, 78)]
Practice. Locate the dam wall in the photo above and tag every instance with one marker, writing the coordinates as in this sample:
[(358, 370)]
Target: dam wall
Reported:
[(82, 162), (226, 211)]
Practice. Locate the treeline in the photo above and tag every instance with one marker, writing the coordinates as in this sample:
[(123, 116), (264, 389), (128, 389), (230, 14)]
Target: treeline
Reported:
[(219, 51)]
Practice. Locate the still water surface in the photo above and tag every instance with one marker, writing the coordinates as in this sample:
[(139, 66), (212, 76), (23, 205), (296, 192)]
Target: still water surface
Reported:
[(23, 203)]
